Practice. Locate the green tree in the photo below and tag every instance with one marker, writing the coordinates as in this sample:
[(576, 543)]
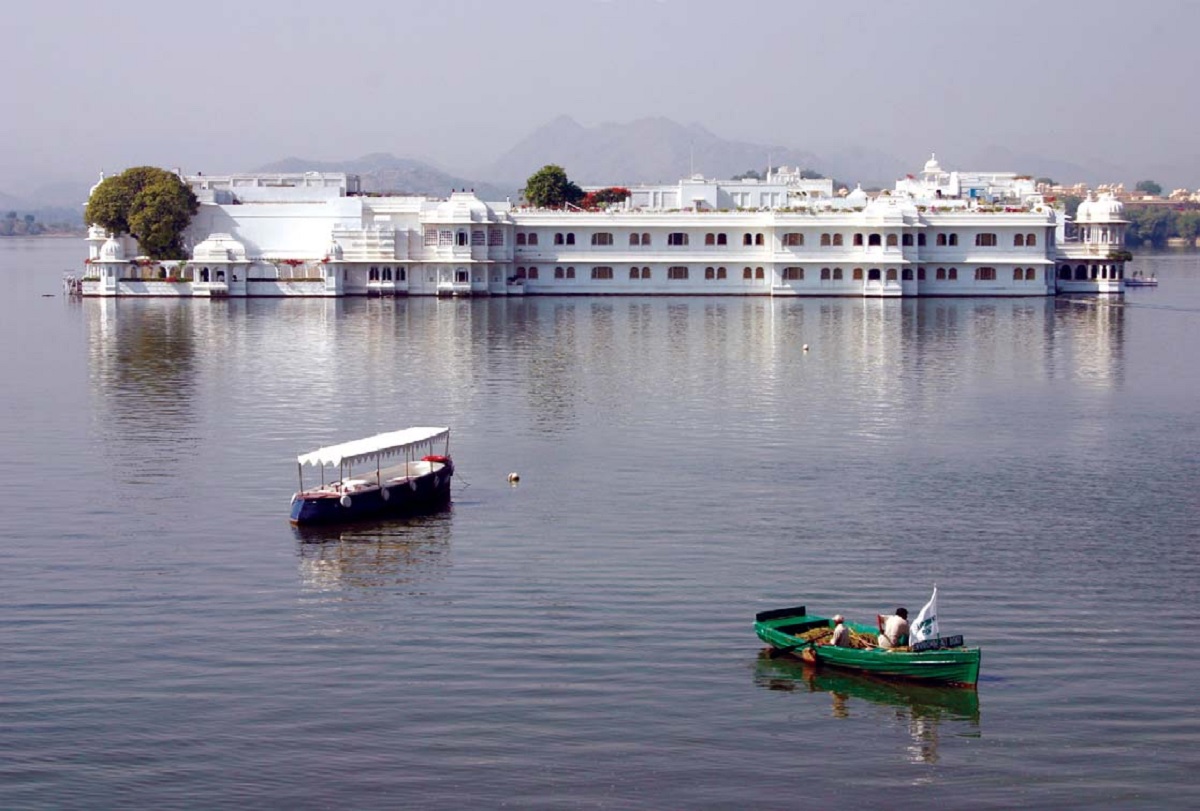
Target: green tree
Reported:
[(1148, 187), (151, 204), (1070, 204), (1149, 225), (549, 187), (1187, 225)]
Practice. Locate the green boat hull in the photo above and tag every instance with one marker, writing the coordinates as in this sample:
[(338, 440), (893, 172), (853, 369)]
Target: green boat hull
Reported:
[(945, 666)]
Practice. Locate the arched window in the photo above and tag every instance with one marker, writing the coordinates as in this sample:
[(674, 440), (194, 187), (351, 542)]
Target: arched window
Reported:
[(720, 273), (825, 241), (520, 273), (645, 273), (677, 238), (941, 240), (987, 240), (560, 273), (1019, 240), (677, 273), (953, 239), (906, 240), (710, 239), (1018, 274), (920, 274), (558, 239), (921, 240), (906, 274), (952, 274), (793, 239), (387, 274), (1030, 240), (758, 239), (793, 274), (645, 239), (837, 274), (747, 273), (570, 272), (1080, 272), (635, 239), (857, 275), (710, 273), (533, 239), (461, 239), (722, 239), (874, 241), (533, 273), (824, 274), (602, 238), (858, 240), (747, 239), (985, 274), (893, 241), (602, 272), (373, 275), (633, 273), (838, 240), (520, 238), (204, 274), (758, 274), (1064, 272), (570, 239), (221, 276), (1030, 275), (940, 275), (891, 274)]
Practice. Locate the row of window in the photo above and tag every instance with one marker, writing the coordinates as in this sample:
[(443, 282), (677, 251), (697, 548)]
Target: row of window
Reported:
[(674, 273), (791, 239), (376, 274), (1087, 272), (444, 238), (796, 274)]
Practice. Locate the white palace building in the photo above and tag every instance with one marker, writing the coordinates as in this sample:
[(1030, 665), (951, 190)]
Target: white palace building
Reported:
[(936, 234)]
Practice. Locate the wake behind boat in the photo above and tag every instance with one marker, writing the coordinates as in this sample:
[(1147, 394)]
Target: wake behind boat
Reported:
[(942, 660), (398, 474)]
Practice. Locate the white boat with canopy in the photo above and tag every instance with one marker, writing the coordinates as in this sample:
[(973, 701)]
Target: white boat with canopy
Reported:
[(396, 472)]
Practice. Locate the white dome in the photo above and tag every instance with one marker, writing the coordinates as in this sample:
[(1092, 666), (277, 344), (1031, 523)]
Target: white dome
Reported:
[(1107, 209), (858, 197), (219, 248), (932, 167), (335, 252), (462, 207), (1084, 212), (111, 251)]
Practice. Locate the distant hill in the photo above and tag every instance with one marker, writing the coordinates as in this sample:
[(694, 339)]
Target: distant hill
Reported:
[(992, 158), (649, 150), (384, 173)]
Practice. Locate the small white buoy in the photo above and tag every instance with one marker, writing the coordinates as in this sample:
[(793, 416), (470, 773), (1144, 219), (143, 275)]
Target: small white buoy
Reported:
[(513, 478), (806, 347)]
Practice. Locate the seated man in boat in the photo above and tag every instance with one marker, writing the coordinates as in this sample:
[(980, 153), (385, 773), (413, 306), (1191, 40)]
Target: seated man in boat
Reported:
[(841, 634), (893, 629)]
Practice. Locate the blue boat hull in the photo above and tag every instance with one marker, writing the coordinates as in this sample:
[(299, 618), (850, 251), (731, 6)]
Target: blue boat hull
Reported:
[(423, 494)]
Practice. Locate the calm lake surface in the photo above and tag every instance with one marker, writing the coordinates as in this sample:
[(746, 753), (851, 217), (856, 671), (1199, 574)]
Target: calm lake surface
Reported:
[(584, 639)]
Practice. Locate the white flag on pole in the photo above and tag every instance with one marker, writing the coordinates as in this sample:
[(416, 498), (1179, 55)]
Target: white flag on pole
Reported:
[(925, 626)]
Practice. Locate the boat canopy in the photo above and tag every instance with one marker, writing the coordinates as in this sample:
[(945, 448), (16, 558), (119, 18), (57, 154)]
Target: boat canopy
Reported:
[(380, 446)]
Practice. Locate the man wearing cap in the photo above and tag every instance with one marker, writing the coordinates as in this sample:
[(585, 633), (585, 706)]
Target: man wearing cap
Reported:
[(841, 634), (893, 629)]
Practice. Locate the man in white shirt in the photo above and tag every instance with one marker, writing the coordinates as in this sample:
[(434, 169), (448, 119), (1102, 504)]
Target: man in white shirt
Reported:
[(893, 629), (841, 634)]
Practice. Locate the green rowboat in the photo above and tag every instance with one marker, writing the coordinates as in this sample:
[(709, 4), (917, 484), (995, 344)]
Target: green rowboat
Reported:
[(944, 662)]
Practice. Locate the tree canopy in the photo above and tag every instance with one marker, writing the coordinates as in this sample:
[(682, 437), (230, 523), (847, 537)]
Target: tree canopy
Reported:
[(151, 204), (549, 187), (1148, 187)]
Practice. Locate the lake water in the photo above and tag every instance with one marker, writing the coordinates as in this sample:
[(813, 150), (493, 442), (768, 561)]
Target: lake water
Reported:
[(584, 639)]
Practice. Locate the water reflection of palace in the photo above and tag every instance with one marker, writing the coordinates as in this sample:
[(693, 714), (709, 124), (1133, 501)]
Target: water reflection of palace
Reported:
[(926, 712), (405, 554)]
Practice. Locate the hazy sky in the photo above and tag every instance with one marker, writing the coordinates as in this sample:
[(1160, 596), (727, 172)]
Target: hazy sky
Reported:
[(225, 86)]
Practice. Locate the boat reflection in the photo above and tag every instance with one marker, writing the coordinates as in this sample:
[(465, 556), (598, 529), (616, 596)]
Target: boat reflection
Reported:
[(922, 709), (383, 554)]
